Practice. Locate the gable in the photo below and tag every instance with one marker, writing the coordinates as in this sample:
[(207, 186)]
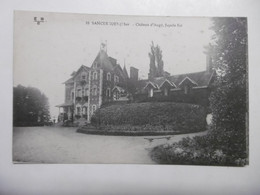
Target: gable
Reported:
[(167, 84), (187, 81)]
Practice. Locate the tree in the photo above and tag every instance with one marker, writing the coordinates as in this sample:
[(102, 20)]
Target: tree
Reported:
[(30, 106), (156, 62), (228, 99)]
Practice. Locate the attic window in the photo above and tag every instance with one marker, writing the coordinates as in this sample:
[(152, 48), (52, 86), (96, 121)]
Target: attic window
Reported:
[(165, 92), (108, 76), (95, 65), (186, 89), (150, 92), (116, 79)]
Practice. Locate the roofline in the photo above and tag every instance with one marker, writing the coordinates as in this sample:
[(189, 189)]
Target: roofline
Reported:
[(188, 79), (171, 83), (154, 85)]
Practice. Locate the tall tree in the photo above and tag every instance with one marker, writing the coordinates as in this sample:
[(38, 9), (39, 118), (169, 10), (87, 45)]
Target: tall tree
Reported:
[(30, 106), (229, 97), (156, 62)]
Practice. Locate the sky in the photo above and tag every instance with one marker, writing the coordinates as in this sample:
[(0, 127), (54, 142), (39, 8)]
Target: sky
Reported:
[(46, 54)]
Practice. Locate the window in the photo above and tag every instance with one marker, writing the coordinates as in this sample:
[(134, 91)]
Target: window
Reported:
[(78, 111), (83, 93), (150, 92), (165, 91), (94, 91), (116, 95), (72, 95), (94, 75), (84, 76), (108, 92), (108, 76), (186, 89), (116, 79), (79, 93), (95, 65), (86, 91), (94, 107), (84, 110)]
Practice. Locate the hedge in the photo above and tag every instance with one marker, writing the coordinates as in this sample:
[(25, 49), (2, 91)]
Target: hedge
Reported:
[(152, 116)]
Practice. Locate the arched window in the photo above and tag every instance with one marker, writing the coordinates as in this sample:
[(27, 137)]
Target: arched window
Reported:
[(108, 76), (84, 76), (108, 92), (116, 79), (78, 92), (94, 75), (94, 90)]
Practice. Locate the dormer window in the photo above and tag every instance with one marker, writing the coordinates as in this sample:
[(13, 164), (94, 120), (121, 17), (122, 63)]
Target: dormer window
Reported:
[(165, 92), (150, 92), (95, 65), (186, 89), (108, 76), (116, 79), (84, 76)]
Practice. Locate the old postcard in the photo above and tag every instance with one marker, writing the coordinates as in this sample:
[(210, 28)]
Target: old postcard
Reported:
[(130, 89)]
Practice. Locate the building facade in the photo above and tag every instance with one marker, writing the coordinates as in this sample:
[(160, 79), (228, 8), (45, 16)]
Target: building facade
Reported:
[(90, 87)]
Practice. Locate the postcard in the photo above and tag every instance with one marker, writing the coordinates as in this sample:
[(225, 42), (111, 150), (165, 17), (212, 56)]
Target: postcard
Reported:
[(94, 89)]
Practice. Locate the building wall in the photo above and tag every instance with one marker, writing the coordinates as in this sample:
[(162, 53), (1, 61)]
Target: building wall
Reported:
[(195, 96), (68, 89)]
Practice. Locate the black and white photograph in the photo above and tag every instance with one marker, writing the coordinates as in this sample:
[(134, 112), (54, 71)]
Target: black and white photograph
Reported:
[(118, 89)]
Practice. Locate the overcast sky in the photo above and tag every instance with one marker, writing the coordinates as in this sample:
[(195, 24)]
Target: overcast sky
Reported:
[(45, 55)]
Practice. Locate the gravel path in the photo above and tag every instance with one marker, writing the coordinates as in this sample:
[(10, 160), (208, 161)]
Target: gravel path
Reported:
[(64, 145)]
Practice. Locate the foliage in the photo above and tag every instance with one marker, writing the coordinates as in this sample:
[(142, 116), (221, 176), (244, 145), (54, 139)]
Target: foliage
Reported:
[(229, 98), (156, 62), (30, 107), (200, 150), (152, 116), (226, 143)]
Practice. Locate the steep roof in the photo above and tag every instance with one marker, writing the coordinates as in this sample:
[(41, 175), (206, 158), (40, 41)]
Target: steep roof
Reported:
[(74, 74), (104, 61), (199, 79)]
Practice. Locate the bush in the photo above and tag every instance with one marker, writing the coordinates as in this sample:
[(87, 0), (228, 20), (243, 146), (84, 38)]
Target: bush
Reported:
[(196, 151), (152, 116)]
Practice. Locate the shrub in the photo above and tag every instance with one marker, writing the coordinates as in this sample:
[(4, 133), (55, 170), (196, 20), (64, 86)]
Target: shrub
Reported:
[(152, 116), (195, 151)]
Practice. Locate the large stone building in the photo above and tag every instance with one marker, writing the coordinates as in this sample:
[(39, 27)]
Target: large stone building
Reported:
[(90, 87), (106, 82)]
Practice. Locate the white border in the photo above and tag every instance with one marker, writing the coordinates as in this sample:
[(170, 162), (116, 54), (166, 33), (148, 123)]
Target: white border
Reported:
[(128, 179)]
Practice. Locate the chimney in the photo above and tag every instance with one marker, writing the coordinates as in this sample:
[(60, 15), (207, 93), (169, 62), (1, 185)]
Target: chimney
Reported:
[(134, 73), (209, 63)]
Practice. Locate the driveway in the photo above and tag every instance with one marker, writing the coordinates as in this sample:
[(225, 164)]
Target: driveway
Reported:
[(64, 145)]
